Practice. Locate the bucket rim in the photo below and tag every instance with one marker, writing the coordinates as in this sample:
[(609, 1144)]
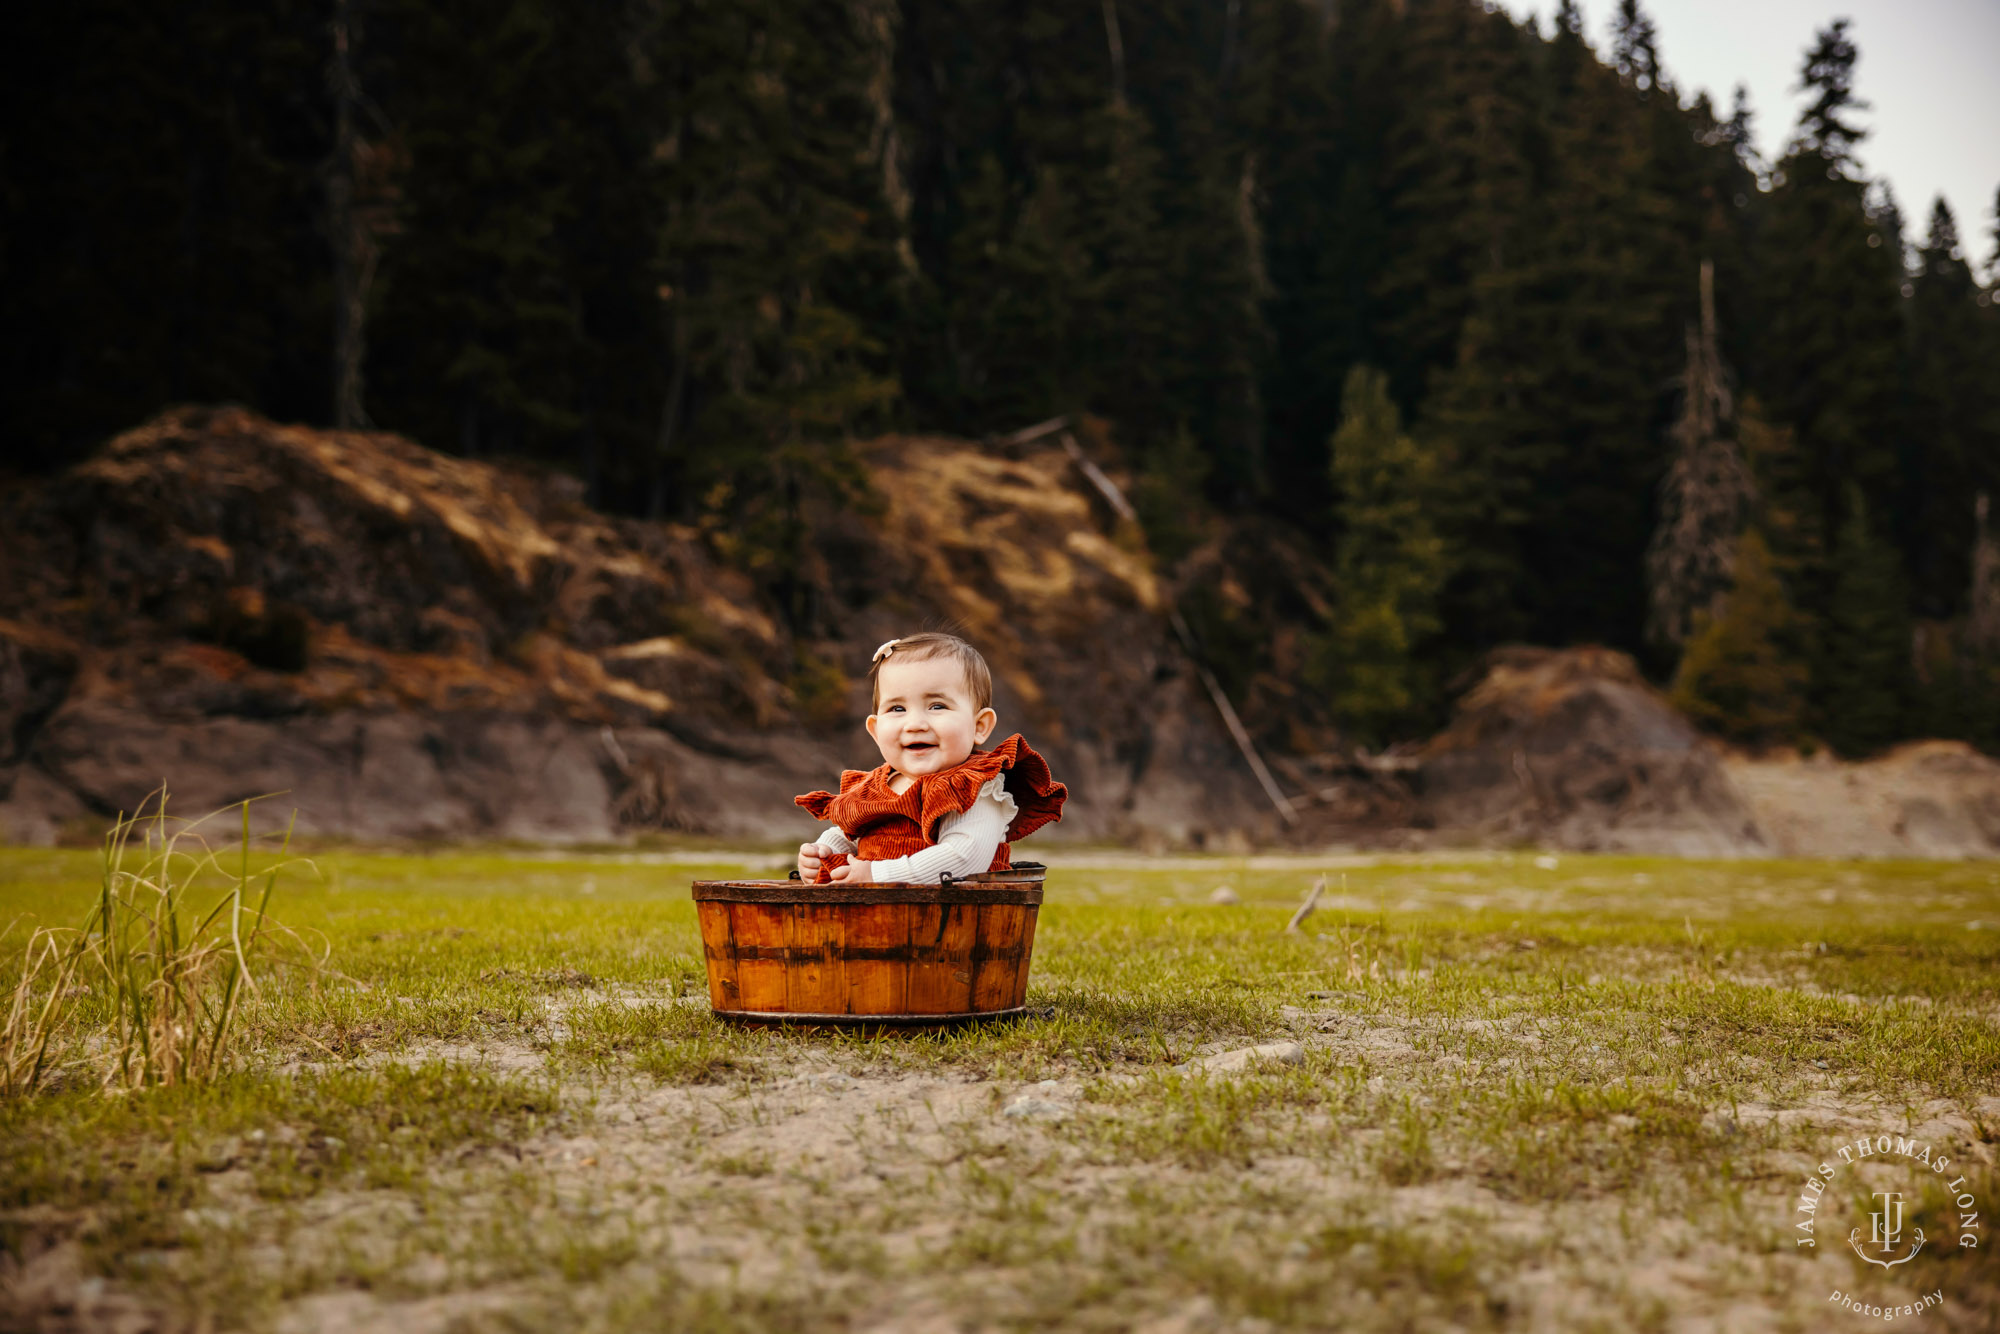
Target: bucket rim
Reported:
[(999, 887)]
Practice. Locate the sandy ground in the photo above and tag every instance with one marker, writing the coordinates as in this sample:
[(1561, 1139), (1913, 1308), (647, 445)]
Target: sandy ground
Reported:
[(848, 1185)]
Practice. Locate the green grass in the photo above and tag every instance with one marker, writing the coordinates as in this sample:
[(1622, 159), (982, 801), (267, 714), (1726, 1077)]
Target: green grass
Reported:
[(1577, 1096)]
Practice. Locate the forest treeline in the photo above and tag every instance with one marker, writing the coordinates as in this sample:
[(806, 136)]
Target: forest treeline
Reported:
[(1521, 340)]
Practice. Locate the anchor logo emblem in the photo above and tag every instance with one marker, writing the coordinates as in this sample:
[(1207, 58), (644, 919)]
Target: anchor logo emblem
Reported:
[(1887, 1232)]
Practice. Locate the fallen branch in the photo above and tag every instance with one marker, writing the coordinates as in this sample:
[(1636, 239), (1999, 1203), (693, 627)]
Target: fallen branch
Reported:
[(1306, 908), (1279, 800)]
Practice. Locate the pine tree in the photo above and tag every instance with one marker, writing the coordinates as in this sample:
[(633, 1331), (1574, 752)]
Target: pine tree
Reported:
[(1389, 565), (1953, 448), (1738, 677), (1458, 194), (1550, 409), (478, 328), (1635, 51), (1322, 115), (1828, 74), (1832, 365), (1866, 653), (774, 233), (1196, 91), (1047, 268), (1456, 181), (1740, 136), (159, 218)]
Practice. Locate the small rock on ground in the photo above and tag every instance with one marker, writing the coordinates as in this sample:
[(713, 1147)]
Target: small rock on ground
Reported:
[(1229, 1062)]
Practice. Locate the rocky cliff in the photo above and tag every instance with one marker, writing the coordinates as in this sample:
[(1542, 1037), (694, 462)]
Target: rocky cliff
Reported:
[(413, 646)]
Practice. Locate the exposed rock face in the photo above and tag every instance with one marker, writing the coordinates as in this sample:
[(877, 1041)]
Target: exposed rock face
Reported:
[(415, 646), (1573, 749), (410, 646)]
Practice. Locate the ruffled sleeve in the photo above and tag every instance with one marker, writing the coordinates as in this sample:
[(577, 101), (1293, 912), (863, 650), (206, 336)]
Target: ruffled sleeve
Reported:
[(1037, 797), (815, 804)]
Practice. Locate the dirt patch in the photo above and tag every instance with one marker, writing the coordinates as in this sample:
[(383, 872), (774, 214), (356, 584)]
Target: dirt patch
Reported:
[(1574, 749), (1934, 799)]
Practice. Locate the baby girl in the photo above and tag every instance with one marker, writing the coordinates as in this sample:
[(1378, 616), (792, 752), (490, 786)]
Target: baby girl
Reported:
[(936, 806)]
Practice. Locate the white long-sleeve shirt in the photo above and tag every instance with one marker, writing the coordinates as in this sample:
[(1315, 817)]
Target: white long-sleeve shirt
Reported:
[(965, 845)]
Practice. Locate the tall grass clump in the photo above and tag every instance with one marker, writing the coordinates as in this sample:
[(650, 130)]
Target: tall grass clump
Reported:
[(150, 989)]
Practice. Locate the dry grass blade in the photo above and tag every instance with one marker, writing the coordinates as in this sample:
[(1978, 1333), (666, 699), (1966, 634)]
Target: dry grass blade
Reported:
[(39, 1008)]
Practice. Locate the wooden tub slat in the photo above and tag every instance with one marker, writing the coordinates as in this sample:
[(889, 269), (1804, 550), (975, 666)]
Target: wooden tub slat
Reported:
[(718, 950), (995, 955), (941, 957), (1027, 954), (816, 981), (760, 931), (878, 959)]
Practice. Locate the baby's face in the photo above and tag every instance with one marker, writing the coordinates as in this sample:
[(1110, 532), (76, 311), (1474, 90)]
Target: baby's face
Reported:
[(925, 721)]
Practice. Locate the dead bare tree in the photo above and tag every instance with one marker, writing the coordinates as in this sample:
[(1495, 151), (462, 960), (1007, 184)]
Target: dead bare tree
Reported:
[(1115, 41), (1705, 496), (348, 232), (1982, 624)]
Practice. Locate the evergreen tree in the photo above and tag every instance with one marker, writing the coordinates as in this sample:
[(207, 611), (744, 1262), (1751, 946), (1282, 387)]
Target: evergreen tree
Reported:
[(1389, 565), (1826, 128), (1319, 129), (1635, 51), (1953, 440), (1737, 129), (1738, 677), (159, 219), (479, 323), (1792, 527), (1993, 255), (1047, 280), (1456, 181), (1976, 697), (1866, 652), (1550, 408), (1834, 339), (1458, 194), (774, 235)]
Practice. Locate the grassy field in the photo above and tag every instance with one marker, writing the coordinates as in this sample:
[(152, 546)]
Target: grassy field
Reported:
[(1528, 1094)]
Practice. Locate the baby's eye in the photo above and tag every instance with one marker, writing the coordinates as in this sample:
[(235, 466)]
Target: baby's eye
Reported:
[(940, 706), (895, 708)]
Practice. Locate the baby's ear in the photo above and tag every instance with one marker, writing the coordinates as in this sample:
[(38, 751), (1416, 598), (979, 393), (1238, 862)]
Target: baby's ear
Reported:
[(870, 725), (983, 725)]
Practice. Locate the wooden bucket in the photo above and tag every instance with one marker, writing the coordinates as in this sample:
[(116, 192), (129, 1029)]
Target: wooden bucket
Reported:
[(782, 951)]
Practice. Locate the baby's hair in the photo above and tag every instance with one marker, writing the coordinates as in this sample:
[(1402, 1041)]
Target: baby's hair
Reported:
[(922, 648)]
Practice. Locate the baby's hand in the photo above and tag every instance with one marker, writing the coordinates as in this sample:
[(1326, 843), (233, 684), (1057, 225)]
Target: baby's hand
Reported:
[(809, 855), (855, 873)]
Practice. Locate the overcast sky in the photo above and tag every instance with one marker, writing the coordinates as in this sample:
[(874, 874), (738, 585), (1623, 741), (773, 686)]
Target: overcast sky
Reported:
[(1930, 69)]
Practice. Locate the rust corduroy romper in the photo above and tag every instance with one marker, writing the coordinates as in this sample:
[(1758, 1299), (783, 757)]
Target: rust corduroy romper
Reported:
[(885, 825)]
